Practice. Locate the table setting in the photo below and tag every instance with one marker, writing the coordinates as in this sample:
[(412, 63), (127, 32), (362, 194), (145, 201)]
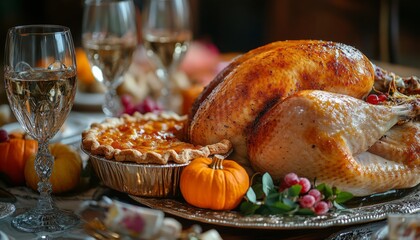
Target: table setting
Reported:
[(166, 138)]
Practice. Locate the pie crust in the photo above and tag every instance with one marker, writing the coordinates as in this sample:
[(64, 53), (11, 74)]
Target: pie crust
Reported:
[(146, 138)]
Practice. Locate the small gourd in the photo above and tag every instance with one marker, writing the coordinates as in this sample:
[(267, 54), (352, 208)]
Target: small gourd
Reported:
[(214, 183), (66, 172), (14, 152)]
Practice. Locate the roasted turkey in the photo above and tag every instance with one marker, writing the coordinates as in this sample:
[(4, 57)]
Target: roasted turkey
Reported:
[(233, 105)]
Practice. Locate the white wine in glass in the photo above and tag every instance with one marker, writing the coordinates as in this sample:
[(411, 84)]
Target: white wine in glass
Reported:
[(166, 37), (40, 80), (109, 38)]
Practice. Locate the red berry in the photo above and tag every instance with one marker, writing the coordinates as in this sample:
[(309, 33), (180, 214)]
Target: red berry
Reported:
[(149, 105), (126, 100), (316, 193), (307, 201), (291, 179), (321, 207), (4, 137), (330, 204), (129, 109), (139, 108), (382, 97), (372, 99), (306, 185)]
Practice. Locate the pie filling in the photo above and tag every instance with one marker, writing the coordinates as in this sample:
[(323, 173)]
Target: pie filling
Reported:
[(148, 138), (146, 135)]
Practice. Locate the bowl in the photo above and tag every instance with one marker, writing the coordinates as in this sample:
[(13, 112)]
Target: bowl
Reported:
[(145, 180)]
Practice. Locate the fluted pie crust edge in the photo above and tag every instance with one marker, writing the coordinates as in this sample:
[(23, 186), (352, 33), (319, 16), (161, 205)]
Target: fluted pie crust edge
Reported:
[(93, 140)]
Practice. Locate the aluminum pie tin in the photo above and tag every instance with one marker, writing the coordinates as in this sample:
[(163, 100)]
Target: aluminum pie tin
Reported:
[(145, 180)]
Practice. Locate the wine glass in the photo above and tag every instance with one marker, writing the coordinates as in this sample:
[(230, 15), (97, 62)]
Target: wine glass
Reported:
[(40, 81), (109, 37), (166, 35)]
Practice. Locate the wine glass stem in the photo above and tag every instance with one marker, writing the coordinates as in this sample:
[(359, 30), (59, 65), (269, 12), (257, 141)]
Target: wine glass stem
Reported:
[(166, 90), (43, 165), (112, 105)]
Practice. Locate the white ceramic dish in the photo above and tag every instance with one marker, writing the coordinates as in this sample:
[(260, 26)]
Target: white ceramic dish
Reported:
[(89, 100)]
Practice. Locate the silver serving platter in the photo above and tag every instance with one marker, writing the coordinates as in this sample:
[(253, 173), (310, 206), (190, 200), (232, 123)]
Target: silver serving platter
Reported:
[(6, 209), (363, 210)]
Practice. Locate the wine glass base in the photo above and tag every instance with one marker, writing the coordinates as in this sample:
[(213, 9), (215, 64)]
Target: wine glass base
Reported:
[(53, 220)]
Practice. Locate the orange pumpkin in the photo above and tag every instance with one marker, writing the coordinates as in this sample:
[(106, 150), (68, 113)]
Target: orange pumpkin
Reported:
[(66, 172), (13, 156), (84, 74), (215, 183)]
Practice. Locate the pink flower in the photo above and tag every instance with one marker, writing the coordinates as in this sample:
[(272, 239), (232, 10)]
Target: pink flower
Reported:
[(134, 223)]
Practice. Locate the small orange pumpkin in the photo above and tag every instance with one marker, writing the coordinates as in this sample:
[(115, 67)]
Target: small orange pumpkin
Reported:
[(66, 172), (13, 156), (214, 183)]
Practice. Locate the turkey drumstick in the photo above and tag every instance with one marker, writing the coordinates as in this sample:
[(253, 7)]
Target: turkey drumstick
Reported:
[(326, 136)]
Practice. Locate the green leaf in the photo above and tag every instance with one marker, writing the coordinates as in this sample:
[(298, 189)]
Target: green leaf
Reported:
[(250, 195), (325, 190), (321, 187), (294, 190), (272, 198), (338, 206), (305, 211), (289, 202), (264, 210), (343, 197), (328, 192), (258, 190), (267, 183), (282, 206), (248, 208)]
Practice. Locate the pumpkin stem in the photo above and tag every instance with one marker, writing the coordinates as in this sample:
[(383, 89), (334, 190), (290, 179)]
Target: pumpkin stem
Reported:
[(217, 162)]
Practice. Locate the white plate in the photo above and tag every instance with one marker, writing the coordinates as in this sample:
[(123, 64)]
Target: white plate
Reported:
[(90, 100), (70, 133)]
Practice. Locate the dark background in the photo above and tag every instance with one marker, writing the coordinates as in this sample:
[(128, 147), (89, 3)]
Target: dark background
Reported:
[(240, 25)]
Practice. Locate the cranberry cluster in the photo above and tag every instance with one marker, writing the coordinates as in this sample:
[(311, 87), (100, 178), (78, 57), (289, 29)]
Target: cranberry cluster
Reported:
[(310, 198), (147, 105), (376, 98)]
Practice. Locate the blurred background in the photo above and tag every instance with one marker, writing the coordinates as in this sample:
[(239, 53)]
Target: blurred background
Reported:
[(384, 30)]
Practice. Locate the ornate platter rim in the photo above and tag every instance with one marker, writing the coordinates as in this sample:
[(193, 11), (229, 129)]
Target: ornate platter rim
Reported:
[(409, 203), (6, 209)]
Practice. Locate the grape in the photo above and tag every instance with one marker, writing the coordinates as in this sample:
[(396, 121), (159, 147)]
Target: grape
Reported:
[(321, 207), (316, 193), (306, 185), (126, 100), (291, 179), (330, 204), (307, 201), (130, 109), (382, 97), (139, 108), (4, 137), (149, 105), (372, 99)]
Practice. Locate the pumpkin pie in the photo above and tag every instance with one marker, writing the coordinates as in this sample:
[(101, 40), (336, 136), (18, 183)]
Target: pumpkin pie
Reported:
[(155, 138)]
